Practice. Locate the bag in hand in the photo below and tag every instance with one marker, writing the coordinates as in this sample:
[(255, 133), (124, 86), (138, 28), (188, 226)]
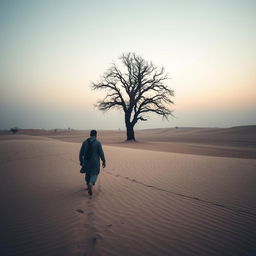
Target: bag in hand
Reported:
[(82, 170)]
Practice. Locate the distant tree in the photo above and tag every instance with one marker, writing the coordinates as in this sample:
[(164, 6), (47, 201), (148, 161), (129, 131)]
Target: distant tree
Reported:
[(137, 87), (14, 130)]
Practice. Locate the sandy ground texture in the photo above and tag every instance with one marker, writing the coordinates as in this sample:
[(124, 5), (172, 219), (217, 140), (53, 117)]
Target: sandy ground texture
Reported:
[(145, 202)]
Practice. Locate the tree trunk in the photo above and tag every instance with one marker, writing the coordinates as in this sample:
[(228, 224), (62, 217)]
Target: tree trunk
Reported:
[(130, 132)]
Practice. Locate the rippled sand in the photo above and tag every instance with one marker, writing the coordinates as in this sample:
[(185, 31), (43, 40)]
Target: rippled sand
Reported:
[(144, 203)]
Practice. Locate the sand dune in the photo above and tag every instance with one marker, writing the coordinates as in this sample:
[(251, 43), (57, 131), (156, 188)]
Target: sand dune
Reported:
[(239, 142), (145, 202)]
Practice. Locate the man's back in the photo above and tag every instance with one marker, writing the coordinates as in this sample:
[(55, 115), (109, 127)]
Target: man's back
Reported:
[(90, 154)]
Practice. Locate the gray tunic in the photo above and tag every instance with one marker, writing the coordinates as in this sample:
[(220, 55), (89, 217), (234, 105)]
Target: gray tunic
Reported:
[(91, 165)]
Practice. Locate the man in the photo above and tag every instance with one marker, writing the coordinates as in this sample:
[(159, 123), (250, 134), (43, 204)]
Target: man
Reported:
[(90, 154)]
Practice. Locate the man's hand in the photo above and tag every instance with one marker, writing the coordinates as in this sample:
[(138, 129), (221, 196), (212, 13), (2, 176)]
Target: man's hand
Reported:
[(104, 165)]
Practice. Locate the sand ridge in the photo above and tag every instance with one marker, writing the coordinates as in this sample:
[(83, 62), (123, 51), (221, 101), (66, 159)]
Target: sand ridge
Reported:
[(239, 142)]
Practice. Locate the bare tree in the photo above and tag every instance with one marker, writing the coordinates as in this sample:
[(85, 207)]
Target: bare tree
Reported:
[(137, 87)]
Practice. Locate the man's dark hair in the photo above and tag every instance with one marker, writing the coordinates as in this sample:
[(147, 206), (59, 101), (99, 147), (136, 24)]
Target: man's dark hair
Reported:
[(93, 133)]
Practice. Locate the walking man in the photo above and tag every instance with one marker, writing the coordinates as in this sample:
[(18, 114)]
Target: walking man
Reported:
[(90, 154)]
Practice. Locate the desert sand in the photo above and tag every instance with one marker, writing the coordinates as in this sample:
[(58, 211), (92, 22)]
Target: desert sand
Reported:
[(224, 142), (159, 196)]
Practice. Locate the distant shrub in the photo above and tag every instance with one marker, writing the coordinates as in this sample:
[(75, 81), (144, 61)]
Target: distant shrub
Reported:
[(14, 130)]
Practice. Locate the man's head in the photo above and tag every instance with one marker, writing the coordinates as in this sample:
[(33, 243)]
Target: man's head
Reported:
[(93, 133)]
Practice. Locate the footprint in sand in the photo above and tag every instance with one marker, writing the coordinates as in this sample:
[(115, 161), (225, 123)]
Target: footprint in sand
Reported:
[(96, 238), (79, 210)]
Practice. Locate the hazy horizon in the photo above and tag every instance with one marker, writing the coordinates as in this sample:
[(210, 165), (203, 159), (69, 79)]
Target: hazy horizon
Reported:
[(52, 50)]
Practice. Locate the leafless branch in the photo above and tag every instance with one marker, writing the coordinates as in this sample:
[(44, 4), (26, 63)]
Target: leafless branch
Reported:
[(136, 86)]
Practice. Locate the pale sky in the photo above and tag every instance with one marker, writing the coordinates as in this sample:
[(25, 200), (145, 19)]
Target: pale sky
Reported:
[(52, 50)]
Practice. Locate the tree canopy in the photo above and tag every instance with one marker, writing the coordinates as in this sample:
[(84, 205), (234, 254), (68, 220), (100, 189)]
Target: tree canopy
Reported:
[(138, 88)]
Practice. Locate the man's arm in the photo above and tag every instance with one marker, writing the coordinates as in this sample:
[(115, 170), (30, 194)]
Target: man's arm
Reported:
[(102, 157), (81, 154)]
